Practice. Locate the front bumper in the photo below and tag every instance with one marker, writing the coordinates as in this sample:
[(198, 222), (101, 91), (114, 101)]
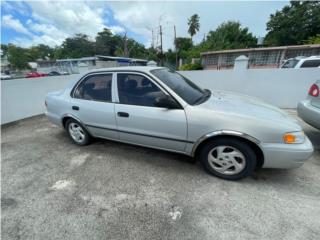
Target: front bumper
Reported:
[(281, 155), (310, 114)]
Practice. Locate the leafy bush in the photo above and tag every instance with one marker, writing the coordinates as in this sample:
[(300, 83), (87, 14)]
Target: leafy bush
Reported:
[(191, 66)]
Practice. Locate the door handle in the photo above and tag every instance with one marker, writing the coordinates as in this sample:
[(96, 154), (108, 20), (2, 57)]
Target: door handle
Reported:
[(75, 108), (123, 114)]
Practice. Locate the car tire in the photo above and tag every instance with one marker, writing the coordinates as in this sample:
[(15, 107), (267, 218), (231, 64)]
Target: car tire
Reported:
[(77, 133), (228, 158)]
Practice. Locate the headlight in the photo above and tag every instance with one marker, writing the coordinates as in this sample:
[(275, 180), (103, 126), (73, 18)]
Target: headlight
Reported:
[(294, 137)]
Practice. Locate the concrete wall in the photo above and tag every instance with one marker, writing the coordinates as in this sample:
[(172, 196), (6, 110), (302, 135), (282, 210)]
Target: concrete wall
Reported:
[(21, 98), (281, 87)]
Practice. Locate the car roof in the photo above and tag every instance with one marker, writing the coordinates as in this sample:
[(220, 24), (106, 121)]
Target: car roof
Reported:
[(127, 68), (302, 58), (312, 58)]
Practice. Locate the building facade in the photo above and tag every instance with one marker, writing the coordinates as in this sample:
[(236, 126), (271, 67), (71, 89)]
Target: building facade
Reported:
[(264, 57), (79, 65)]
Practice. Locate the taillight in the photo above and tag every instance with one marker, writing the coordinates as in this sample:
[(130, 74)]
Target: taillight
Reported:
[(314, 90)]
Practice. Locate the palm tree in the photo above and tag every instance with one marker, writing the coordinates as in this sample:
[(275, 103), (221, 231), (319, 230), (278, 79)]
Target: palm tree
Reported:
[(194, 25)]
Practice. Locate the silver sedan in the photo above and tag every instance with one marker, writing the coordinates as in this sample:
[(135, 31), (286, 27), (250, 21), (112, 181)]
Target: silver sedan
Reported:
[(231, 134), (309, 109)]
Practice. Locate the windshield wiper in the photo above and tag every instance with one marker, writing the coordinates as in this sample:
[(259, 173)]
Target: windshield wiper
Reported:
[(206, 95)]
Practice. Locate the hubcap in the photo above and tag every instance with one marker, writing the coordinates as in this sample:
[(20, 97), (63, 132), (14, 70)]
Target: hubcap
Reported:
[(76, 132), (227, 160)]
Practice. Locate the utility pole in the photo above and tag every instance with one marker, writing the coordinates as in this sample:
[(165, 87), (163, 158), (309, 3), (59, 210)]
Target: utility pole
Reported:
[(161, 56), (125, 45), (152, 44), (175, 44)]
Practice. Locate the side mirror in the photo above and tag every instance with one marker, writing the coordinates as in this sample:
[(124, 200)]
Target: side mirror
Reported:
[(166, 102)]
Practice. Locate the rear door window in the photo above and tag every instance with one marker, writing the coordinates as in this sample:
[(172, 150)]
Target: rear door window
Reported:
[(95, 87), (311, 63)]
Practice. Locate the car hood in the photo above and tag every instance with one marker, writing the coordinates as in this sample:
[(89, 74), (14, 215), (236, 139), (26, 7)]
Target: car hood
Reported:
[(243, 105)]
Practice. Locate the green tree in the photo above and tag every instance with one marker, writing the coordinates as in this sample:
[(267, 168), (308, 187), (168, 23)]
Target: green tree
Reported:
[(107, 43), (183, 44), (152, 54), (170, 58), (229, 35), (313, 40), (128, 47), (183, 47), (76, 47), (194, 25), (294, 24), (18, 57), (137, 50), (4, 49), (40, 51)]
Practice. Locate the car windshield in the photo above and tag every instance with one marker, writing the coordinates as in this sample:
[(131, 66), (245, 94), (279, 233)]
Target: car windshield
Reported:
[(182, 86), (290, 63)]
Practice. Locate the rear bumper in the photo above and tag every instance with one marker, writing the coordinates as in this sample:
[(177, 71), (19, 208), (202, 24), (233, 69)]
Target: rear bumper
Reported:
[(54, 119), (281, 155), (309, 113)]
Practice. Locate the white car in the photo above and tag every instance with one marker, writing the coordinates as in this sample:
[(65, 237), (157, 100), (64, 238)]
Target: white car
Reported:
[(302, 62), (230, 134), (309, 109), (4, 76)]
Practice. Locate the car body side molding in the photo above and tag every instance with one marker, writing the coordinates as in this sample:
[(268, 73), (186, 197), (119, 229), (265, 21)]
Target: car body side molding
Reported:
[(141, 134)]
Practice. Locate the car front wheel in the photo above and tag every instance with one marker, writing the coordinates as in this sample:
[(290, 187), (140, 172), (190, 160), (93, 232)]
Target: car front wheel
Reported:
[(228, 158), (77, 132)]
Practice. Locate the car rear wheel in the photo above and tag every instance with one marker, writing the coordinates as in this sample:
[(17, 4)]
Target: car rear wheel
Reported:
[(228, 158), (77, 132)]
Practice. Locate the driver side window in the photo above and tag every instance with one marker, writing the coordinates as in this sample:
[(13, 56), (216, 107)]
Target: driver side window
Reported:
[(136, 89)]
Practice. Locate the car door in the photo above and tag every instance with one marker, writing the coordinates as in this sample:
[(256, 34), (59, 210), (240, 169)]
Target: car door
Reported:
[(92, 104), (142, 123)]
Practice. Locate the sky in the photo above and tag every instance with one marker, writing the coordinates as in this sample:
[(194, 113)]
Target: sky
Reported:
[(27, 23)]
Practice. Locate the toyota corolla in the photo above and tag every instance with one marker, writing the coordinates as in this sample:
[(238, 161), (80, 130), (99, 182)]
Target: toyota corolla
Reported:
[(231, 134)]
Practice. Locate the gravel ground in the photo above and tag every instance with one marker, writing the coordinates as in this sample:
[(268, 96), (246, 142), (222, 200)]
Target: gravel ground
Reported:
[(53, 189)]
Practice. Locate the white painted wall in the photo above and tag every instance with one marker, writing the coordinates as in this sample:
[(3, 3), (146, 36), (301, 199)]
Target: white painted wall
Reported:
[(281, 87), (22, 98)]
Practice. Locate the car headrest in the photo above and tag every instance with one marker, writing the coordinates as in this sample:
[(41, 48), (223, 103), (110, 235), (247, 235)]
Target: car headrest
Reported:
[(89, 86), (131, 84), (145, 82)]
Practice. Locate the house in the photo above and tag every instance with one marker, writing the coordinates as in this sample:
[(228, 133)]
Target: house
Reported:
[(264, 57), (78, 65)]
